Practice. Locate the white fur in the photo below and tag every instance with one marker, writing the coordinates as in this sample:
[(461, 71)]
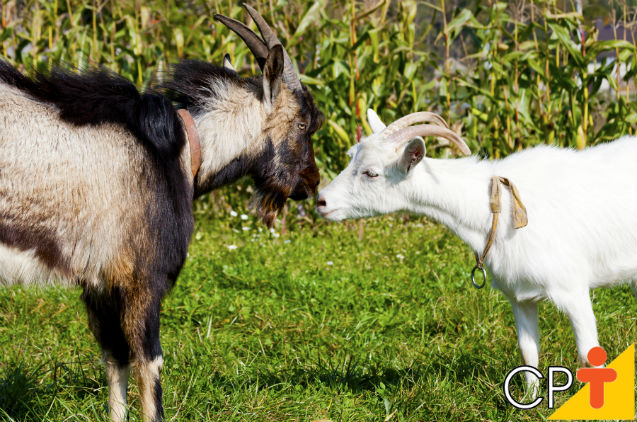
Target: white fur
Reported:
[(23, 267), (147, 377), (582, 213), (117, 383)]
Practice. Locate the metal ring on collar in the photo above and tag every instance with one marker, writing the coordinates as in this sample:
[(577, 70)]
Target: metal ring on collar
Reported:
[(473, 277)]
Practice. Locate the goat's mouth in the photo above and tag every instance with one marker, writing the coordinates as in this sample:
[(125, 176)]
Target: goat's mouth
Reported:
[(331, 215), (306, 186), (302, 191), (299, 193)]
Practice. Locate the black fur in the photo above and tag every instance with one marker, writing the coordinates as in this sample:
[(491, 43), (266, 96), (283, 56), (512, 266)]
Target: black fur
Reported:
[(234, 170), (158, 401), (308, 108), (104, 311)]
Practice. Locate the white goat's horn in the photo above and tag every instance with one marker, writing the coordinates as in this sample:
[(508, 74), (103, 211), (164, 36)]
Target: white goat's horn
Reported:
[(407, 133), (418, 117)]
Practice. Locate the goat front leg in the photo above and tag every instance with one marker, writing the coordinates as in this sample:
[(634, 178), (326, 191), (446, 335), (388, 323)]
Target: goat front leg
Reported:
[(526, 321), (104, 321), (579, 309), (141, 325)]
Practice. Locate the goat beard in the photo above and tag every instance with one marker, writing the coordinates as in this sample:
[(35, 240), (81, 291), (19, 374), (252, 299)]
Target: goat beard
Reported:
[(269, 202)]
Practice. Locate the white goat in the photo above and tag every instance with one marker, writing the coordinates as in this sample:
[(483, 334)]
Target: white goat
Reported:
[(581, 207)]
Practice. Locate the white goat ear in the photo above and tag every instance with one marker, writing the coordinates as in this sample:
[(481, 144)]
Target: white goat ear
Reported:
[(413, 153), (227, 63), (375, 123), (272, 75)]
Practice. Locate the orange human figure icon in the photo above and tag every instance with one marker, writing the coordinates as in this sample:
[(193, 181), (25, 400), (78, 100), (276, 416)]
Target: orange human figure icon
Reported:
[(597, 377)]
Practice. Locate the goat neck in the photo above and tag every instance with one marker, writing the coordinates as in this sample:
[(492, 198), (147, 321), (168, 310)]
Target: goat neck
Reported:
[(230, 129), (455, 193)]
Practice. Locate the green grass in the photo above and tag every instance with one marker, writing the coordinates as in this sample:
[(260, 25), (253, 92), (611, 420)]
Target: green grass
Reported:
[(314, 324)]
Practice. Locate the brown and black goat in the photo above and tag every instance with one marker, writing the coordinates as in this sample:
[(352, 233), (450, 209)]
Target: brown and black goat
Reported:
[(97, 183)]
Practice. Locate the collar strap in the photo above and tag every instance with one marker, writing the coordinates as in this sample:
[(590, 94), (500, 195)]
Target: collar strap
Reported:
[(193, 140), (519, 220)]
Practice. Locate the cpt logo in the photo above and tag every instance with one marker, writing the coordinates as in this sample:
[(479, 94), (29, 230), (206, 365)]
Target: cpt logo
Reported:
[(609, 392)]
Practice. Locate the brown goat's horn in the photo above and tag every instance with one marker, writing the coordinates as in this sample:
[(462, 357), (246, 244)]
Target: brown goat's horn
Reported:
[(290, 77), (252, 40), (411, 132), (410, 119)]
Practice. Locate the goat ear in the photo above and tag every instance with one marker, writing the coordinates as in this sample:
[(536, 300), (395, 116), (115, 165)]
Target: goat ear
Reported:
[(375, 123), (272, 75), (413, 153), (227, 63)]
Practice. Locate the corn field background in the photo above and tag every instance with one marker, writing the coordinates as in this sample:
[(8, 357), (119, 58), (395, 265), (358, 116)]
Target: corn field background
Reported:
[(311, 321)]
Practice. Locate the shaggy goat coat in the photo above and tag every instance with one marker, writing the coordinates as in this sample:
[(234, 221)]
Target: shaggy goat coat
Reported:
[(96, 188)]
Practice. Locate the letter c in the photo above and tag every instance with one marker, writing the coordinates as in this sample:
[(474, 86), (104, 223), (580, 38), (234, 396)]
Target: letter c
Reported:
[(507, 392)]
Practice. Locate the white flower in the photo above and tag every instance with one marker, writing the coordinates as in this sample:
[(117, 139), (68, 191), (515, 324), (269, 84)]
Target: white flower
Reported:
[(244, 217), (275, 234), (245, 228), (232, 247), (330, 263), (233, 213), (286, 241), (400, 256)]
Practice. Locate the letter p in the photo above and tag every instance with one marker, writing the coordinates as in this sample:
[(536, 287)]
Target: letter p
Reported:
[(552, 387)]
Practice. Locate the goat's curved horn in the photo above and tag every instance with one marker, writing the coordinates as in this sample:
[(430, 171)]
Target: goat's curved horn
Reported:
[(411, 132), (290, 77), (418, 117), (255, 44)]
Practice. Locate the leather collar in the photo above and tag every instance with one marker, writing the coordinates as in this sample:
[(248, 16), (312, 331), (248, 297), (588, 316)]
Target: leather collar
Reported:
[(193, 140)]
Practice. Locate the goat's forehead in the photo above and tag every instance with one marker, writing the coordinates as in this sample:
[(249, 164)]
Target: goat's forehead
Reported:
[(286, 107), (372, 149)]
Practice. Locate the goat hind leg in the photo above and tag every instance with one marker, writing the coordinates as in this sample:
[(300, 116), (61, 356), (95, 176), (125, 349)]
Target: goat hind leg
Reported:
[(633, 285), (103, 316), (141, 324), (526, 321), (117, 375)]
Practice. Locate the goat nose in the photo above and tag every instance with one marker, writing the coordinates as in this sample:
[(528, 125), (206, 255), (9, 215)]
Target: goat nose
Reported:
[(321, 202)]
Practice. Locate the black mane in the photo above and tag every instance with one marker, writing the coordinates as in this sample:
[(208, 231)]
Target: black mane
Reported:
[(189, 83), (101, 96)]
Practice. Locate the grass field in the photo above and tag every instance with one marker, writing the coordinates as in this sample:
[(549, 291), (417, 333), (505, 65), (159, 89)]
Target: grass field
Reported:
[(313, 324)]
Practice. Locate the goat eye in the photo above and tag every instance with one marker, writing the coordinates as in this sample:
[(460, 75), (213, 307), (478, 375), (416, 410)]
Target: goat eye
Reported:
[(370, 173), (301, 126)]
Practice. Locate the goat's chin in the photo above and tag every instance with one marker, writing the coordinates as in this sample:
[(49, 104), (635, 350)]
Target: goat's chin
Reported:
[(335, 215)]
